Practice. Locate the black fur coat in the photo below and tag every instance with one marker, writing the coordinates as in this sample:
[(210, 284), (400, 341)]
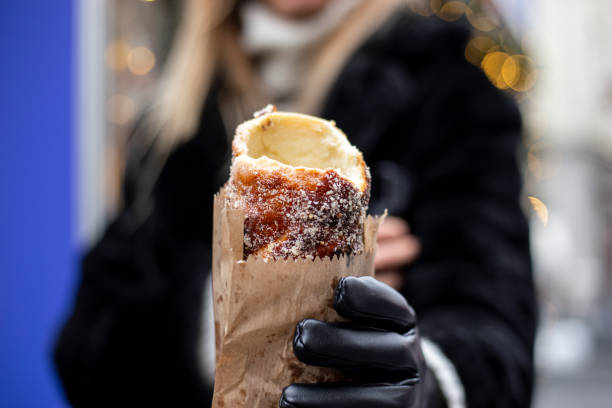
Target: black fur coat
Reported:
[(441, 142)]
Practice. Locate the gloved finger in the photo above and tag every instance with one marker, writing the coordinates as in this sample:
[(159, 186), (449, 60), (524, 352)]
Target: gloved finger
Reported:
[(358, 350), (367, 300), (347, 395)]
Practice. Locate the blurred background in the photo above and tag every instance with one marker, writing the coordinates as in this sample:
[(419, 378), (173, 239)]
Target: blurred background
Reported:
[(75, 75)]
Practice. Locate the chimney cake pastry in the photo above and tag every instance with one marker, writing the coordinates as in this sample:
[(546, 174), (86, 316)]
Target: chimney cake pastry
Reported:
[(303, 187)]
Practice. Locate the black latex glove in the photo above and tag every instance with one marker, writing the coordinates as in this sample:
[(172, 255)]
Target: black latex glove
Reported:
[(380, 348)]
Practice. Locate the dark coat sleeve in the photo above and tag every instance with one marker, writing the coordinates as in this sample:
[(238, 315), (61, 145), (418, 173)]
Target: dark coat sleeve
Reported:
[(442, 143), (133, 335), (472, 286)]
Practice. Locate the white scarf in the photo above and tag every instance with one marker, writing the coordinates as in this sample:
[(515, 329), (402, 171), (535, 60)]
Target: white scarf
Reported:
[(282, 44)]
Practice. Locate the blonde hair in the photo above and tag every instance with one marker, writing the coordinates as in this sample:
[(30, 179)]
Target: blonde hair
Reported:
[(205, 34), (205, 31)]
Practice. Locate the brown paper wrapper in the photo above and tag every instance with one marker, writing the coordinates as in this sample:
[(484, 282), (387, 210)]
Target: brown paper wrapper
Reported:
[(257, 305)]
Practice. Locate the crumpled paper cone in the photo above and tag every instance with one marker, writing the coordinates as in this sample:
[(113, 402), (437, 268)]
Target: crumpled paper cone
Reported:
[(257, 305)]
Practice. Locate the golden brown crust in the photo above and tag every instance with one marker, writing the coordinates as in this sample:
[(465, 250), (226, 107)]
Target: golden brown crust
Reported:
[(293, 211)]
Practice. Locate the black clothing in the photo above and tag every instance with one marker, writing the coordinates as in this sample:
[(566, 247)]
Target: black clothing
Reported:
[(441, 142), (379, 346)]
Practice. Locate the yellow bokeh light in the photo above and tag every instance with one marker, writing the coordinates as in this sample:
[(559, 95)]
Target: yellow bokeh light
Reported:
[(120, 109), (540, 209), (478, 47), (116, 55), (510, 71), (435, 5), (140, 61), (452, 11), (519, 73), (492, 65), (481, 21)]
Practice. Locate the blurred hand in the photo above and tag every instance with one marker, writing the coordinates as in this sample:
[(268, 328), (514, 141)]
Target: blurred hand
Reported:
[(396, 249)]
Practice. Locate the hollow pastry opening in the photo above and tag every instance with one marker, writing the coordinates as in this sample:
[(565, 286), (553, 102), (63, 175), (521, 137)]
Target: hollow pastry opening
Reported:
[(304, 141)]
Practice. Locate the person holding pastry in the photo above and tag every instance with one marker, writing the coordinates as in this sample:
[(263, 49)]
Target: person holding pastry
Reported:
[(450, 320)]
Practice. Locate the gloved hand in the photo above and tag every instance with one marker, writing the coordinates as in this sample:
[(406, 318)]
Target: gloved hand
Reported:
[(379, 348)]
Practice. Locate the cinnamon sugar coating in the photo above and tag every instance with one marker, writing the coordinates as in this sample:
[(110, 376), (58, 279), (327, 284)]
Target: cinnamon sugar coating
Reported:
[(295, 211)]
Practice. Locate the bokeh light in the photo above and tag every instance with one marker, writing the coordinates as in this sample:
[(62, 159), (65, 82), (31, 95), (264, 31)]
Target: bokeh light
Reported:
[(140, 60), (478, 47), (492, 65), (452, 11), (481, 19), (116, 55), (519, 73), (435, 5), (540, 209)]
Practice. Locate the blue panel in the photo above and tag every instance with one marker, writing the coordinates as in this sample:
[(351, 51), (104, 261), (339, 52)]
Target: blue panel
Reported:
[(37, 260)]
